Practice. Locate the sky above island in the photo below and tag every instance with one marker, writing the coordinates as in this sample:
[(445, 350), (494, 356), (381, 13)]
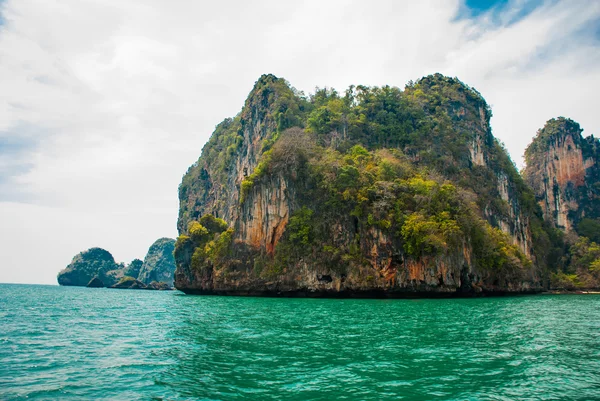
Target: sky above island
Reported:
[(105, 104)]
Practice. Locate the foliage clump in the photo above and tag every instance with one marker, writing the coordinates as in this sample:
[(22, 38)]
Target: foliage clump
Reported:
[(584, 270), (290, 152), (208, 239), (554, 131), (95, 262), (589, 228), (427, 215), (133, 269)]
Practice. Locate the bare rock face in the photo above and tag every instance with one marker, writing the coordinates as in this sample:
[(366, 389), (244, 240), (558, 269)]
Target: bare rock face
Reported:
[(269, 208), (381, 192), (563, 170), (159, 264), (211, 186)]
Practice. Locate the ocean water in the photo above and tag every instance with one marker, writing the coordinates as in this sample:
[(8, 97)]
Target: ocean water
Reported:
[(66, 343)]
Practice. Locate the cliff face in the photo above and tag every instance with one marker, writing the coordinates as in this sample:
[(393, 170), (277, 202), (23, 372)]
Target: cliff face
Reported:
[(211, 186), (379, 192), (562, 168), (461, 144), (159, 264)]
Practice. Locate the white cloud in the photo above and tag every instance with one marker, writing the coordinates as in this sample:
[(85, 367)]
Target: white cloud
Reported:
[(105, 104)]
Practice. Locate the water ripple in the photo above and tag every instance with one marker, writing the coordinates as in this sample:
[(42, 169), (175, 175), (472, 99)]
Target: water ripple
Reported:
[(76, 343)]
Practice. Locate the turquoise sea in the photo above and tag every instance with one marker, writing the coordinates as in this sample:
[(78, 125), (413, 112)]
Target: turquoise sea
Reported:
[(67, 343)]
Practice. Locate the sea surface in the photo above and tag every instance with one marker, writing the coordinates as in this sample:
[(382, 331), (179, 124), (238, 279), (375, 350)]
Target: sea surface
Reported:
[(68, 343)]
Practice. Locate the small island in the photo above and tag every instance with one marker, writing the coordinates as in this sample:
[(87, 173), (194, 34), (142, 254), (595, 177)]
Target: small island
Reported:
[(384, 192), (96, 268)]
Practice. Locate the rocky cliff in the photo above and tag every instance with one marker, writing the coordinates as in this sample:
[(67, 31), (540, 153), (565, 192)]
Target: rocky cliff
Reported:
[(90, 264), (159, 264), (96, 267), (375, 192), (563, 170)]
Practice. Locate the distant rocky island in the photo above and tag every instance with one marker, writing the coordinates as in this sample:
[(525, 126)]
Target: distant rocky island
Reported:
[(97, 268), (563, 169), (385, 192)]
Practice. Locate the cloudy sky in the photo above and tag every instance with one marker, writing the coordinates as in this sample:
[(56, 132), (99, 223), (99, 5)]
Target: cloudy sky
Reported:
[(104, 104)]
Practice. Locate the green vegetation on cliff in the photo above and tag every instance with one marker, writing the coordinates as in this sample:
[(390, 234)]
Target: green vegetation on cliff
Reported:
[(209, 240), (555, 130), (422, 212), (563, 170), (583, 270), (133, 269), (274, 103), (95, 262), (434, 122), (562, 167), (358, 187)]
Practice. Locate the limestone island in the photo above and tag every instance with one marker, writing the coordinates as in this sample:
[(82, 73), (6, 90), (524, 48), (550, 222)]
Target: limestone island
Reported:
[(97, 268), (384, 192)]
